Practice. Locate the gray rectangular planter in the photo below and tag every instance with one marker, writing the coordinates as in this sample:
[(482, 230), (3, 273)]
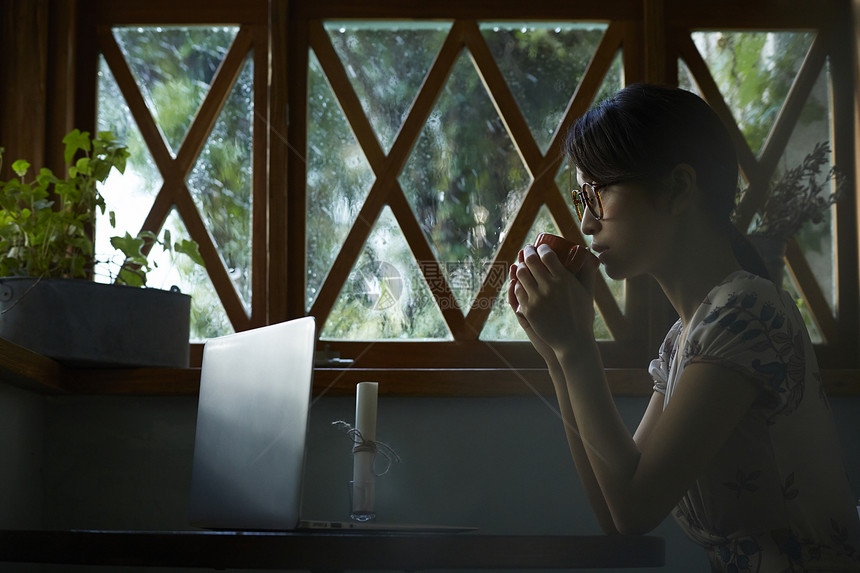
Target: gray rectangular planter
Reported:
[(82, 323)]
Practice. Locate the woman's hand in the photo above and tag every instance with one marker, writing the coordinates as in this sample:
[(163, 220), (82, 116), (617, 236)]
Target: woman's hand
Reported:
[(542, 347), (555, 303)]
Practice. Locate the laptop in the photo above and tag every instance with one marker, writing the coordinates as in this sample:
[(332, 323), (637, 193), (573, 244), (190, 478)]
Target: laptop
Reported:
[(251, 437)]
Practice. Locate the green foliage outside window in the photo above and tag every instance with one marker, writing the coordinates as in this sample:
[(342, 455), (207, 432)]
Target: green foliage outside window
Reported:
[(173, 68), (464, 179)]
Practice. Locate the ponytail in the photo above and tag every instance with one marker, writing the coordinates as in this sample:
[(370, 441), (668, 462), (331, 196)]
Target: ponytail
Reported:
[(747, 255)]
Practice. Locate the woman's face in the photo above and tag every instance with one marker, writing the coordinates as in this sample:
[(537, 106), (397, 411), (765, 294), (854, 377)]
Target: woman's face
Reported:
[(633, 235)]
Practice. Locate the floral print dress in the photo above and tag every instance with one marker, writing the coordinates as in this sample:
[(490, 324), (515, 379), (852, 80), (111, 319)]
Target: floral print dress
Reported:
[(775, 498)]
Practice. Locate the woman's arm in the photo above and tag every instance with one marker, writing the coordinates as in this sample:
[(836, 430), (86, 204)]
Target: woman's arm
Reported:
[(641, 480), (577, 451), (580, 456), (649, 420)]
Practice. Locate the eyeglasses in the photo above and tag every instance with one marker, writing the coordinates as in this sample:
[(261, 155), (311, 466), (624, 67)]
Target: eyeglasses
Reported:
[(588, 196)]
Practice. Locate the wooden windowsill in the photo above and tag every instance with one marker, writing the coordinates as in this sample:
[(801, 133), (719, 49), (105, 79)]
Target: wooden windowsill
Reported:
[(32, 371)]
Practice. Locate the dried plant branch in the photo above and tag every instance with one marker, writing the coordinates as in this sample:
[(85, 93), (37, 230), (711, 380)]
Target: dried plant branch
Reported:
[(799, 196)]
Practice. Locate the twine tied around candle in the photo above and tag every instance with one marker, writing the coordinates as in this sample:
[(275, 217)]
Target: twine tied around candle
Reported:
[(364, 445)]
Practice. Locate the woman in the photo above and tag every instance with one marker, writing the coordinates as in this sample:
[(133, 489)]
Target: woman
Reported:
[(737, 442)]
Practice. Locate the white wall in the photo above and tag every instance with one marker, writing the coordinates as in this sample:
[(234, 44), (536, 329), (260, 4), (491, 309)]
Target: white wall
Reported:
[(21, 423), (500, 464)]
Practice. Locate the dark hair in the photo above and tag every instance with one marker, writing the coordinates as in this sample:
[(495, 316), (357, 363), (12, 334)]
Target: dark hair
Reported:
[(644, 131)]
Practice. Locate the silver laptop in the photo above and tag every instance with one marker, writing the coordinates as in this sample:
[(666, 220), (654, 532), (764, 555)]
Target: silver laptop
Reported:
[(252, 425)]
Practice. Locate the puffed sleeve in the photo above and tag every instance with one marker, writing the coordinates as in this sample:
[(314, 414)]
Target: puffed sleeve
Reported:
[(659, 372), (754, 328), (659, 367)]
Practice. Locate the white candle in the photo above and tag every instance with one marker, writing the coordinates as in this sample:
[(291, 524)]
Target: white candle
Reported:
[(365, 409), (362, 471)]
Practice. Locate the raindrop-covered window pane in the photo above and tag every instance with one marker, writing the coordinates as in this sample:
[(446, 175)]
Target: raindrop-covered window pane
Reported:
[(464, 179), (173, 68), (543, 64), (754, 71)]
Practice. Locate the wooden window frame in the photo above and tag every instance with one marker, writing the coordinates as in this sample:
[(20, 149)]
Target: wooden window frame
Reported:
[(831, 21), (629, 347), (653, 33)]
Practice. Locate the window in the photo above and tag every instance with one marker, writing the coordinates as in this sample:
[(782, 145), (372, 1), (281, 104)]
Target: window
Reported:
[(187, 100), (477, 151), (782, 92), (433, 153), (380, 168)]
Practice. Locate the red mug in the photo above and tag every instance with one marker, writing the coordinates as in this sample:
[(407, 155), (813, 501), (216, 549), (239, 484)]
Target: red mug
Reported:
[(566, 250)]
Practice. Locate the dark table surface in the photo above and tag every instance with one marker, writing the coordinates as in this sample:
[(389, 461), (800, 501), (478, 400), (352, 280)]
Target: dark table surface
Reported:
[(330, 551)]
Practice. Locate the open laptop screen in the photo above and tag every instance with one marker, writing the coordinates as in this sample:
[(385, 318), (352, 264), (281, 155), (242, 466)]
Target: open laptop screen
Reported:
[(252, 423)]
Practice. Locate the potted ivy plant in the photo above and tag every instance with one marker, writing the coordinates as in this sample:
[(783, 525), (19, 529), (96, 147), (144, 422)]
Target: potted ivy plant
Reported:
[(48, 301)]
